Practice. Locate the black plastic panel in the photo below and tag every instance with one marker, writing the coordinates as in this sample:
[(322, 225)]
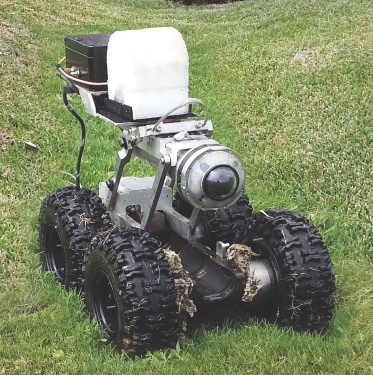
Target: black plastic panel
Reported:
[(88, 54)]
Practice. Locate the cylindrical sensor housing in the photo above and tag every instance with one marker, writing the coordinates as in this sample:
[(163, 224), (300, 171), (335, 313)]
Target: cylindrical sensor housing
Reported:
[(210, 177)]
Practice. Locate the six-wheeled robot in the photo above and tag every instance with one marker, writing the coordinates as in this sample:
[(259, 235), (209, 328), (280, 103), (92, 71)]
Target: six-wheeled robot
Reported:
[(146, 251)]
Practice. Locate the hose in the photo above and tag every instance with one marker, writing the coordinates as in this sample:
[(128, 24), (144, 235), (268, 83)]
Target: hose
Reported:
[(70, 77), (83, 130)]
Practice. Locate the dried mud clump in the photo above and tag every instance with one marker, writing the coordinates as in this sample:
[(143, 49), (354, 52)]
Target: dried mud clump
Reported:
[(241, 255), (184, 286)]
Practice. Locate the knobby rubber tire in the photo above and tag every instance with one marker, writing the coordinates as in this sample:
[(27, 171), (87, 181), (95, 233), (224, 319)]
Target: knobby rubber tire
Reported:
[(68, 221), (142, 288), (304, 297), (230, 225)]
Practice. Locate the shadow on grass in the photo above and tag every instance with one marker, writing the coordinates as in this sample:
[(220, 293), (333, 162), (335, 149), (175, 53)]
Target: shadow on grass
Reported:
[(209, 317)]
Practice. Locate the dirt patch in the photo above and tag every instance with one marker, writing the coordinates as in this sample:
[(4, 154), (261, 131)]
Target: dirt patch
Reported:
[(308, 58), (8, 34), (6, 141)]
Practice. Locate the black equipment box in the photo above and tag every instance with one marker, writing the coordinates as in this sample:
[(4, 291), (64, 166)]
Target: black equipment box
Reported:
[(88, 54)]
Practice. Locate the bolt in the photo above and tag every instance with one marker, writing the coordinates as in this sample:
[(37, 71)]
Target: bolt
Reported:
[(130, 209), (158, 128), (75, 72), (163, 160), (199, 125)]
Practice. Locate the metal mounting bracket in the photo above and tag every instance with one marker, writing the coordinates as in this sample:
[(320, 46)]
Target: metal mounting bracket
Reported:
[(124, 156), (162, 170)]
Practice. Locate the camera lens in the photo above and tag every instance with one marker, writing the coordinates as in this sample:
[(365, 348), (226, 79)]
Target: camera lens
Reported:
[(220, 183)]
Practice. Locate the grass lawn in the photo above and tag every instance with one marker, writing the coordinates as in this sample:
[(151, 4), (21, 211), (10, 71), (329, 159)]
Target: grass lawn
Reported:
[(289, 86)]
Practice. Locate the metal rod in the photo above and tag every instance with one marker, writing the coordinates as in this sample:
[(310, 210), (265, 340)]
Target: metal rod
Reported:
[(124, 156), (67, 90), (163, 167)]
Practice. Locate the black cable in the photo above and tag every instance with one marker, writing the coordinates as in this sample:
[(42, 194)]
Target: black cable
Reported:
[(68, 90)]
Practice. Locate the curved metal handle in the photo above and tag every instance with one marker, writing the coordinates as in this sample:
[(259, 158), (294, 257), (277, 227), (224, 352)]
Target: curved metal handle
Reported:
[(187, 102)]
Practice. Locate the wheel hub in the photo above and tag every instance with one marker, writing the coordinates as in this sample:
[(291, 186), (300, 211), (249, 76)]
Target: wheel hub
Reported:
[(262, 272), (104, 304), (55, 257)]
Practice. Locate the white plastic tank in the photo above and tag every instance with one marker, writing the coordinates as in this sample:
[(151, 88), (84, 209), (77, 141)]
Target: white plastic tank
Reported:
[(148, 71)]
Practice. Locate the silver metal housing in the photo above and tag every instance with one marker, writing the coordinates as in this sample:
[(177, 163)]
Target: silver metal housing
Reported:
[(192, 156), (193, 167)]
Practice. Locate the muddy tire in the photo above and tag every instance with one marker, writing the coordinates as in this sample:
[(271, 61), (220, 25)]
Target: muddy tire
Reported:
[(230, 225), (130, 291), (304, 295), (68, 220)]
